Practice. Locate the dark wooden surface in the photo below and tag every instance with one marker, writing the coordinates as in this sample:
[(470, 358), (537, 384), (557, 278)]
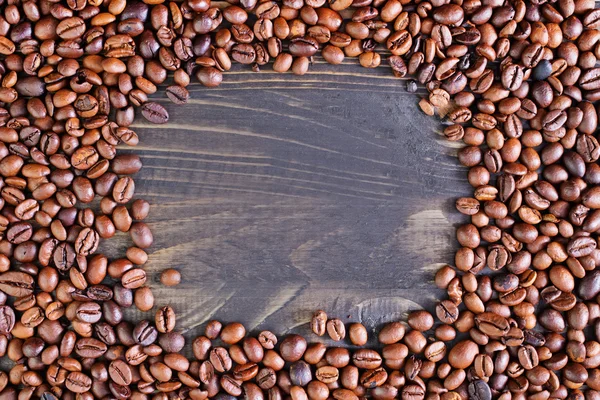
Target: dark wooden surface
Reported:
[(275, 195)]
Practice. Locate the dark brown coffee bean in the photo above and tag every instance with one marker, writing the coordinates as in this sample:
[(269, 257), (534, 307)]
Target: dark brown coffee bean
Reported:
[(177, 94), (303, 46), (155, 113)]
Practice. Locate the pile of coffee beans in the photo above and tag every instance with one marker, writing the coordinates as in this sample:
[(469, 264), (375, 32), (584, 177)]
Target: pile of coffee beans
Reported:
[(516, 81)]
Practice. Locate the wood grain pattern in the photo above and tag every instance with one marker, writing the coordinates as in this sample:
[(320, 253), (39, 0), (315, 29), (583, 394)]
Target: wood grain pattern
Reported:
[(275, 195)]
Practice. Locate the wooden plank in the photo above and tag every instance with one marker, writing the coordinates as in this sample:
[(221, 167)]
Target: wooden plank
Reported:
[(275, 195)]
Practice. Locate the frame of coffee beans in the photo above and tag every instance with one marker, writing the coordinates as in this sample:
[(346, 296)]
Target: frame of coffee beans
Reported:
[(515, 81)]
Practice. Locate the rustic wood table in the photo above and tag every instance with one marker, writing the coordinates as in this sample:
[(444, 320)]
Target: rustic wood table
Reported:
[(275, 195)]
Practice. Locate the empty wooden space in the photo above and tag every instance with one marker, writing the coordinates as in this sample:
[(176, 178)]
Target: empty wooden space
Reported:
[(275, 195)]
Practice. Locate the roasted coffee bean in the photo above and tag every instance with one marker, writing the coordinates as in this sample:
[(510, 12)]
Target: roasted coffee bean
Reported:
[(392, 333), (155, 113), (220, 359), (7, 319), (170, 277), (292, 347), (336, 329), (303, 46), (177, 94), (243, 53), (479, 390), (358, 334), (232, 333), (318, 322), (300, 373), (165, 319)]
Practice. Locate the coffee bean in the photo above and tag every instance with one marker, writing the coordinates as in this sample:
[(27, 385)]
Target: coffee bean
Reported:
[(219, 358), (165, 319), (233, 333), (366, 359), (413, 392), (336, 329), (120, 373), (266, 378), (420, 320), (480, 390), (77, 382), (447, 311), (17, 284), (589, 286), (144, 333), (87, 242), (303, 46), (392, 333), (177, 94), (292, 347), (358, 334), (243, 53), (533, 212), (155, 113), (170, 277), (267, 339), (300, 373), (462, 354), (542, 71), (7, 319), (318, 322)]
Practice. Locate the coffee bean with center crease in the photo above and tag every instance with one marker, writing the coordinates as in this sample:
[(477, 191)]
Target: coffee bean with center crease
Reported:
[(87, 242), (366, 359), (17, 284), (479, 390), (318, 322), (78, 382), (243, 53), (327, 374), (336, 329), (155, 113), (245, 372), (144, 333), (220, 359), (177, 94), (90, 348), (120, 372), (165, 319), (123, 190), (7, 319), (266, 378), (413, 392), (303, 46), (447, 311)]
